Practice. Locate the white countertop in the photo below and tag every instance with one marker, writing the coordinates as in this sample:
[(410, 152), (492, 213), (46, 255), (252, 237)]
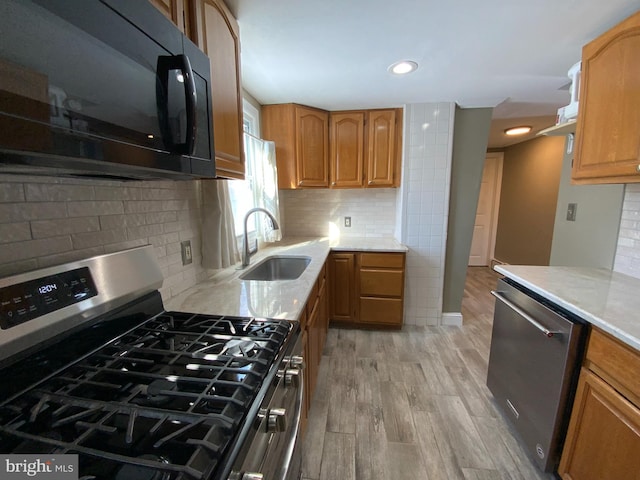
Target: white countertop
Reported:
[(606, 299), (226, 294)]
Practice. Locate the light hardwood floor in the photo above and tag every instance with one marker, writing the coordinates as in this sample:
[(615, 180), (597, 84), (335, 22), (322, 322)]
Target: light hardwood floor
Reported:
[(413, 404)]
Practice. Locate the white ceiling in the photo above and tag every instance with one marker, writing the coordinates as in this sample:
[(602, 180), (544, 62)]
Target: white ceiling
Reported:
[(334, 54)]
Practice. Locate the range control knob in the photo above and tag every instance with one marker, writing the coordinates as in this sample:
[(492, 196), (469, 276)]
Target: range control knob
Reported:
[(296, 361), (246, 476), (276, 420), (292, 377), (252, 476)]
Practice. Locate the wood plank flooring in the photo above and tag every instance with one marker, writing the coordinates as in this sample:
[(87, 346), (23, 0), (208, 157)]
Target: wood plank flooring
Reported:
[(413, 404)]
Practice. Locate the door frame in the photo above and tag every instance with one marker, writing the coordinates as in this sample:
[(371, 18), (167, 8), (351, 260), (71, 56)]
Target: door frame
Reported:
[(495, 205)]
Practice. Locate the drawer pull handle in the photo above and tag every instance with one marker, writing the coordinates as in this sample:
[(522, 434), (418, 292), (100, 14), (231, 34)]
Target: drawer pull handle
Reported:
[(548, 333)]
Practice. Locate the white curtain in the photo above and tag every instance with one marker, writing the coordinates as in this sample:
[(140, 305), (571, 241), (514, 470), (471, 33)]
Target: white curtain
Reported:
[(219, 248), (264, 185)]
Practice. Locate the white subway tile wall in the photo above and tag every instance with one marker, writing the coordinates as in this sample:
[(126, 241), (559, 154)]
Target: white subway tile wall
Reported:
[(424, 206), (47, 221), (627, 259), (321, 212)]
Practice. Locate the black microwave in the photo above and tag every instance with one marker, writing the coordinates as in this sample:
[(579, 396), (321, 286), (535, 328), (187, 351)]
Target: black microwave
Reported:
[(102, 88)]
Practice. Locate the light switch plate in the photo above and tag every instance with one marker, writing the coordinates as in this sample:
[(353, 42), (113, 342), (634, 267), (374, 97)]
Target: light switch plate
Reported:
[(187, 254), (572, 209)]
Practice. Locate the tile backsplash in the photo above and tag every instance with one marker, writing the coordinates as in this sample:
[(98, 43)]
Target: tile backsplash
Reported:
[(321, 212), (46, 221), (628, 251)]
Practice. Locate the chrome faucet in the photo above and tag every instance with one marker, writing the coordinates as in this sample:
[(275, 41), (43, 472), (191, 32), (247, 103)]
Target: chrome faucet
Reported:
[(246, 251)]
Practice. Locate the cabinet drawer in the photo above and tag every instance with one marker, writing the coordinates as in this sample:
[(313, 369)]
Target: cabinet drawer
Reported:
[(618, 363), (381, 282), (382, 260), (381, 310)]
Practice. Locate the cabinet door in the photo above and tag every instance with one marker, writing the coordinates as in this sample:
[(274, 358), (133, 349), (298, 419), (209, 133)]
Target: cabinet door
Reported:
[(342, 287), (603, 440), (312, 147), (218, 36), (173, 10), (381, 148), (347, 149), (278, 126), (306, 403), (323, 318), (313, 359), (607, 138)]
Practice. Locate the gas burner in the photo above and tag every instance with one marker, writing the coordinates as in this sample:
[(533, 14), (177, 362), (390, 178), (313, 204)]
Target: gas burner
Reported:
[(240, 348), (153, 392), (137, 472)]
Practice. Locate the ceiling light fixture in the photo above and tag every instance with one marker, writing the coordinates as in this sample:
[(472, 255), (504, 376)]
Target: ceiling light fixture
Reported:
[(517, 130), (403, 67)]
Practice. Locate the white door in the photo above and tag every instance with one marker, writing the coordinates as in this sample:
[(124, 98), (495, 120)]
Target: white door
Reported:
[(484, 230)]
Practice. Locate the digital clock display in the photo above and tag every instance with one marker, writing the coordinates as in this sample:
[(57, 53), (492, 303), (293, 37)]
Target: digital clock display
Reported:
[(48, 288), (25, 301)]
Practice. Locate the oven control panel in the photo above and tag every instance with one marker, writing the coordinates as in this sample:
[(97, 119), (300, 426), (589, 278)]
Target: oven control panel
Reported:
[(25, 301)]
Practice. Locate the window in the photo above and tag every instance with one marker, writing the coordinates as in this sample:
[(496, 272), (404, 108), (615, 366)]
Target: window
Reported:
[(246, 194)]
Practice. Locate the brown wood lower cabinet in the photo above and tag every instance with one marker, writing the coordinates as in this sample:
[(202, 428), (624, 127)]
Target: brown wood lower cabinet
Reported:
[(314, 322), (603, 440), (367, 288)]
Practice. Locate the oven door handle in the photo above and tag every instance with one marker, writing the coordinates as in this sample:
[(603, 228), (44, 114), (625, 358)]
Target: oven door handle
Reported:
[(548, 333), (295, 431)]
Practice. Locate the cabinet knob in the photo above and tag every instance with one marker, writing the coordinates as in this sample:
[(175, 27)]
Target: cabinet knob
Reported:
[(638, 168)]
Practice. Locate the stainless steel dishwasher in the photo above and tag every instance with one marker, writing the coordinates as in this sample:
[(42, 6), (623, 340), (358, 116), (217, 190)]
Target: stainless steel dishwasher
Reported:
[(536, 348)]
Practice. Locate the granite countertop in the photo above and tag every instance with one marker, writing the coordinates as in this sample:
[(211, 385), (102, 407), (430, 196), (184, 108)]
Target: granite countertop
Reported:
[(606, 299), (226, 294)]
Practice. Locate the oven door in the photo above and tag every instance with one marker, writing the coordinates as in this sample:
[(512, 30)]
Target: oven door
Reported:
[(105, 86), (273, 448)]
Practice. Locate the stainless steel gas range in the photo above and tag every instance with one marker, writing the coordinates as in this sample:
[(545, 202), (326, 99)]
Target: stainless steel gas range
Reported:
[(92, 364)]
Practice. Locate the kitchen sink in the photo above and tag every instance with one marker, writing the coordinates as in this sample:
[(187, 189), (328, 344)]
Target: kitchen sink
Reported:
[(278, 267)]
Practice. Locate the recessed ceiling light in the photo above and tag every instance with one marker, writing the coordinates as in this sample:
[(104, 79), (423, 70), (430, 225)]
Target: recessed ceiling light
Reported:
[(517, 130), (403, 67)]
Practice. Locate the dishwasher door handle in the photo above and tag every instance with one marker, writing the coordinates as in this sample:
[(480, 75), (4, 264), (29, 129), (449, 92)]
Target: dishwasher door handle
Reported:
[(548, 333)]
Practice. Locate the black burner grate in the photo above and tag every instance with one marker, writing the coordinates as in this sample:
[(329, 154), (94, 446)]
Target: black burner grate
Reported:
[(166, 398)]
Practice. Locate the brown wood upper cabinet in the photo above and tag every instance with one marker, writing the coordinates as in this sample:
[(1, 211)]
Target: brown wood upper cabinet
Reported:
[(607, 138), (365, 148), (178, 12), (349, 149), (301, 135), (217, 34)]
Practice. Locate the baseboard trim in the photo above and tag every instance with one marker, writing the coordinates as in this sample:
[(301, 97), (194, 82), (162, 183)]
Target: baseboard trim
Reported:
[(452, 319)]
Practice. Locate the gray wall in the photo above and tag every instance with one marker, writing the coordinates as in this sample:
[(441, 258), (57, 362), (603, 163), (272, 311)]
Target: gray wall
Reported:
[(470, 137), (591, 240)]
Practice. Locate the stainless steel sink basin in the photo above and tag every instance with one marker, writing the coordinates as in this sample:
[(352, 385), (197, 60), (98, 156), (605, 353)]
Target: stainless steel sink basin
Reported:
[(278, 267)]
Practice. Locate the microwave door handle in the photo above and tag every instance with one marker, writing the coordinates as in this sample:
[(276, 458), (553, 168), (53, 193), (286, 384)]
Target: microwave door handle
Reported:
[(191, 102), (166, 64)]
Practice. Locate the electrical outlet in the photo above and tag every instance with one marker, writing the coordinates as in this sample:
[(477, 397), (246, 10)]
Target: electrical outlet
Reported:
[(572, 209), (347, 222), (187, 254)]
